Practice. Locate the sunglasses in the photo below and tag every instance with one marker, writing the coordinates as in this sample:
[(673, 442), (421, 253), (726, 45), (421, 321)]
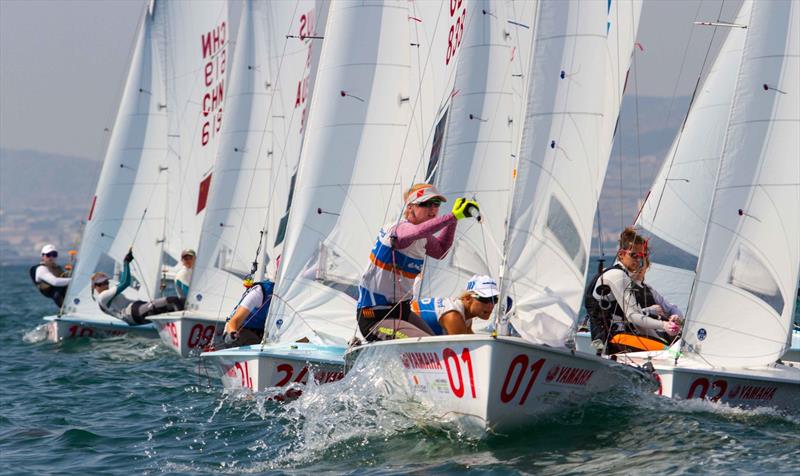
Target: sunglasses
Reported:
[(430, 203), (102, 283), (52, 254), (636, 255), (187, 257), (487, 300)]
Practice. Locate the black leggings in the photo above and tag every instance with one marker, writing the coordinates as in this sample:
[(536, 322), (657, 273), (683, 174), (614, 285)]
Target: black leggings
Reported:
[(142, 309), (397, 322)]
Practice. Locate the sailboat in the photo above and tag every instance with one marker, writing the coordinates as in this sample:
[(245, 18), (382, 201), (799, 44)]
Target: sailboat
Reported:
[(740, 310), (366, 112), (272, 79), (149, 158), (580, 56)]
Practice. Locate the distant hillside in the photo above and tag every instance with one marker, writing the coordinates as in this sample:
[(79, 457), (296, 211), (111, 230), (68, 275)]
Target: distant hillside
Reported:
[(30, 179), (44, 197)]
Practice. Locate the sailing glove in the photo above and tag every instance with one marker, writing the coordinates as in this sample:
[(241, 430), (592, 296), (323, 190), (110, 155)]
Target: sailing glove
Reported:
[(672, 328), (463, 208), (230, 337), (128, 257)]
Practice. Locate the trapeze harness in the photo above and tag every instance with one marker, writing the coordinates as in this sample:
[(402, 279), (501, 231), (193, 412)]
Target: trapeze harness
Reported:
[(431, 309), (607, 320), (56, 293)]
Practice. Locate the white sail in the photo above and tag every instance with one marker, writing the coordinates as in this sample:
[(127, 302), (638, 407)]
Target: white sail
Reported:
[(258, 151), (192, 39), (131, 175), (675, 213), (437, 30), (575, 89), (741, 310), (484, 124), (349, 170)]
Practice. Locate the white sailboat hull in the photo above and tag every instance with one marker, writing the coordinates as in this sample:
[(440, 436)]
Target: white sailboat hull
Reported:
[(775, 386), (490, 384), (64, 327), (187, 333), (259, 367)]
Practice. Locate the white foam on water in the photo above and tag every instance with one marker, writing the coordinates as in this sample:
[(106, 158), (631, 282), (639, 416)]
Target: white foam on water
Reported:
[(37, 334)]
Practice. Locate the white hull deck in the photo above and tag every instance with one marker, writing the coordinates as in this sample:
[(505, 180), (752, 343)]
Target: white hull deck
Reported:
[(64, 327), (259, 367), (490, 384), (187, 333), (776, 386)]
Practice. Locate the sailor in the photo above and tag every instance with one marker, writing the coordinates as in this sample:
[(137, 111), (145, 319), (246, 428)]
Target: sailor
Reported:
[(114, 303), (50, 278), (385, 291), (447, 316), (184, 276), (624, 313), (246, 326)]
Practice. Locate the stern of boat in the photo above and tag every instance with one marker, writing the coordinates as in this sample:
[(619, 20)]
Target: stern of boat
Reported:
[(187, 334)]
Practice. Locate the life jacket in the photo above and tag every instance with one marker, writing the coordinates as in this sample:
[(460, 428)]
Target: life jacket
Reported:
[(391, 272), (46, 288), (258, 317), (602, 314)]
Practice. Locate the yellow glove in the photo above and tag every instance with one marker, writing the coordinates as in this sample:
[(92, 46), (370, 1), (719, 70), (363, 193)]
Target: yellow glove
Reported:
[(463, 208)]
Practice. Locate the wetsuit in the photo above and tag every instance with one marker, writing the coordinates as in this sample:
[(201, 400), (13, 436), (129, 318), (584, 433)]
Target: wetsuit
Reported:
[(617, 304), (113, 302)]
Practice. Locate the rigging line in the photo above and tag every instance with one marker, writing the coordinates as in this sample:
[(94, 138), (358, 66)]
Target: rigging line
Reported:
[(619, 131), (267, 121), (417, 99), (636, 120), (446, 96), (143, 281), (686, 116), (683, 64)]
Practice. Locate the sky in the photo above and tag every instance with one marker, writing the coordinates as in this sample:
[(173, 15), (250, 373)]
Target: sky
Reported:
[(63, 64)]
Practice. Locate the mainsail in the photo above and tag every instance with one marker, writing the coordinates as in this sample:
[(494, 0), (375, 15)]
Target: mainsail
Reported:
[(741, 310), (349, 170), (581, 54), (481, 140), (192, 40), (122, 215), (675, 213), (271, 82)]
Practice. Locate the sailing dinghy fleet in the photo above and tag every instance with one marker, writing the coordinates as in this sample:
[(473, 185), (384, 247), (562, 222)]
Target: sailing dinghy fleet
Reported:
[(332, 110)]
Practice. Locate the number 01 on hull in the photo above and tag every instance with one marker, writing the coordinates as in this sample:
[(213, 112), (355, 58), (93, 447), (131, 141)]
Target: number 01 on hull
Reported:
[(494, 384)]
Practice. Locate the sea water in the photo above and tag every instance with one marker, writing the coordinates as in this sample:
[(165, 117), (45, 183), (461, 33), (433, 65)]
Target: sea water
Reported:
[(130, 406)]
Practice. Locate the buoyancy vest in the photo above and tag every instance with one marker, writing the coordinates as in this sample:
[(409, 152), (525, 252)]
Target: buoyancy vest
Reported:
[(432, 309), (46, 289), (258, 317), (601, 313), (391, 272)]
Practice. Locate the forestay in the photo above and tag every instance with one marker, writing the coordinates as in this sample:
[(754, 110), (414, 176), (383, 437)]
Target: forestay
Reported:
[(271, 82), (741, 310), (192, 39), (479, 148), (131, 176), (581, 54), (349, 169), (675, 213)]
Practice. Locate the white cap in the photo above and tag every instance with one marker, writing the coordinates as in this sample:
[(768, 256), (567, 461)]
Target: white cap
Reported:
[(423, 193), (48, 248), (483, 286)]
